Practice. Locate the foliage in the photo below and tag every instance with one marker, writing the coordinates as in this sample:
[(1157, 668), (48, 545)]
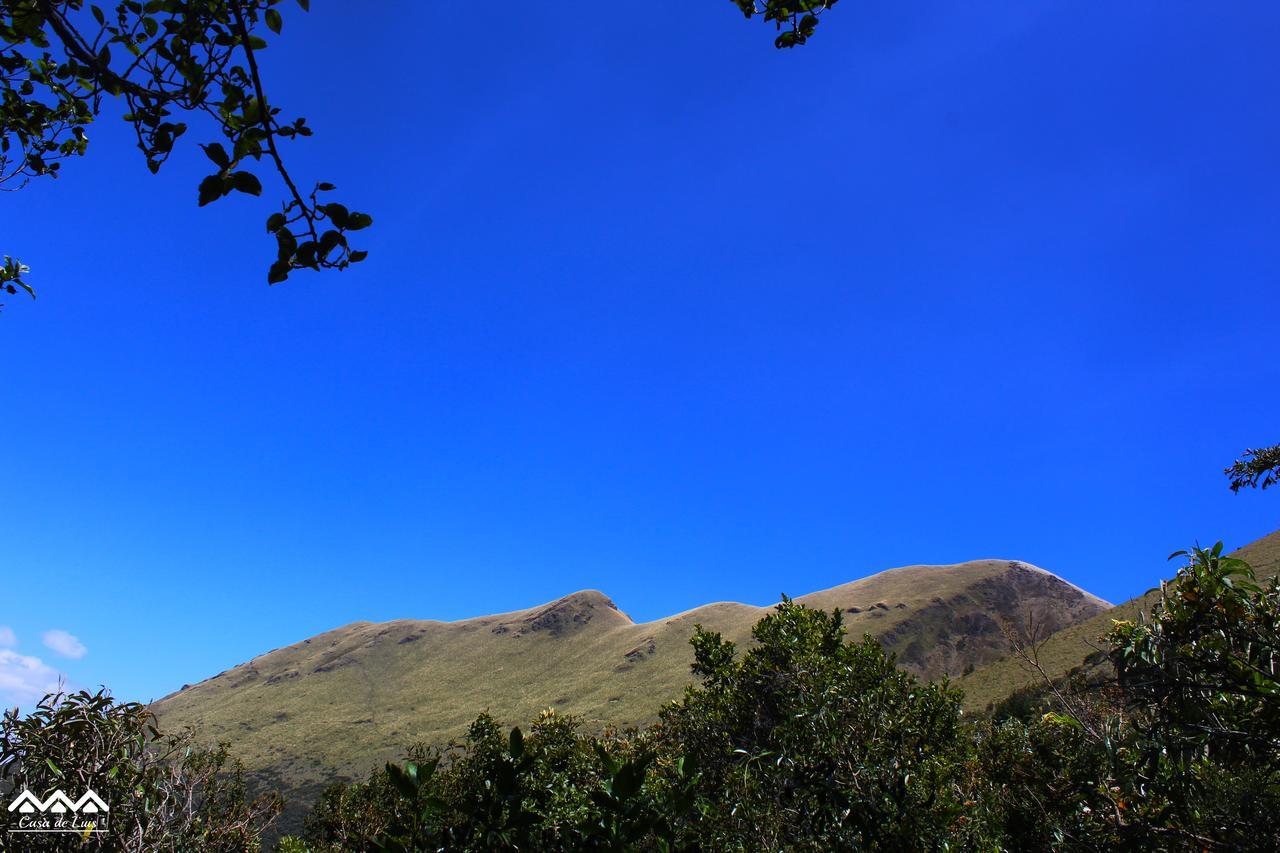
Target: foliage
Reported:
[(11, 272), (553, 789), (1044, 784), (1256, 469), (163, 793), (350, 817), (173, 61), (795, 19), (168, 61), (1201, 680), (1207, 661), (809, 742), (1180, 752)]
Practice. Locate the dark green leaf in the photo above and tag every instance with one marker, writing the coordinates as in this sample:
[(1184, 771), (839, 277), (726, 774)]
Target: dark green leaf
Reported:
[(215, 152), (246, 182), (211, 189), (279, 272)]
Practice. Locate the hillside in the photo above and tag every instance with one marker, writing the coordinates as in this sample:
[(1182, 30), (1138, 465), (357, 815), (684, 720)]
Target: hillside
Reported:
[(1067, 648), (341, 702)]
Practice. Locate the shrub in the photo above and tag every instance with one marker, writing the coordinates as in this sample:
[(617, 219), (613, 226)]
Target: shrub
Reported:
[(809, 742), (554, 789), (1201, 684), (163, 792)]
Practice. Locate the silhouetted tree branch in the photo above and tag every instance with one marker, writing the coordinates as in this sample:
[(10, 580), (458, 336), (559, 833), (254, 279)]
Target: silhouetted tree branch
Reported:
[(1256, 469)]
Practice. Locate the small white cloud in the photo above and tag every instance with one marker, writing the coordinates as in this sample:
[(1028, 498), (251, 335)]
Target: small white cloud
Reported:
[(24, 680), (7, 638), (64, 644)]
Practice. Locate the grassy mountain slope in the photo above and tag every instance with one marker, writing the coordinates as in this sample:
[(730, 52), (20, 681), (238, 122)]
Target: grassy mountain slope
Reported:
[(341, 702), (1067, 648)]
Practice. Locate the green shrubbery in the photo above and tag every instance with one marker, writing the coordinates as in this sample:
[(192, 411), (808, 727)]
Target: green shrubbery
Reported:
[(804, 741), (809, 742), (163, 792)]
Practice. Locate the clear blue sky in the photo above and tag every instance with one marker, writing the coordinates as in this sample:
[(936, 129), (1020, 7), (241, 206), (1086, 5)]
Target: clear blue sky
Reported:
[(655, 309)]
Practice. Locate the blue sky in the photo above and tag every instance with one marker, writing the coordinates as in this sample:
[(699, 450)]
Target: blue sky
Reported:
[(650, 308)]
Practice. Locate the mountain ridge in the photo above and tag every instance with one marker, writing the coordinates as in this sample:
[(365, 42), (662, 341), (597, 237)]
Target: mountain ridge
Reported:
[(560, 616), (335, 705)]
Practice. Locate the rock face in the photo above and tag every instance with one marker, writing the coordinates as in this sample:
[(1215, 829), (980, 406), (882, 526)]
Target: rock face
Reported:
[(1075, 646), (342, 702), (565, 616), (956, 635)]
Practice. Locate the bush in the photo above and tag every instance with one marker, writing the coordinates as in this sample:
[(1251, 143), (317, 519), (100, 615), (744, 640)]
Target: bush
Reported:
[(809, 742), (1201, 683), (554, 789), (1183, 750), (163, 792)]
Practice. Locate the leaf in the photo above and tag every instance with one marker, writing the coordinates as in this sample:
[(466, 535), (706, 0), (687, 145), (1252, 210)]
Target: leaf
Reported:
[(337, 213), (329, 241), (215, 152), (517, 742), (287, 242), (246, 182), (611, 764), (629, 779), (306, 254), (1062, 720), (211, 189), (247, 145), (274, 21)]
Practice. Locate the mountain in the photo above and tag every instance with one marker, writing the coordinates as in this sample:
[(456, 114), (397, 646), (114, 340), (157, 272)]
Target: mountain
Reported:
[(1066, 649), (340, 703)]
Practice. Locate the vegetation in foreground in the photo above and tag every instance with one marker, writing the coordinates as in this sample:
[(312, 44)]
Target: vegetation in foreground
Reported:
[(803, 742)]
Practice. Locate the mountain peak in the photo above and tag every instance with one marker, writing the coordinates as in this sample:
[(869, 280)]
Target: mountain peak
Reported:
[(577, 611), (589, 598)]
